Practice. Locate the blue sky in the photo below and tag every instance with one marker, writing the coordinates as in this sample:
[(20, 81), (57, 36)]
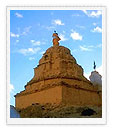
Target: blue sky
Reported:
[(31, 34)]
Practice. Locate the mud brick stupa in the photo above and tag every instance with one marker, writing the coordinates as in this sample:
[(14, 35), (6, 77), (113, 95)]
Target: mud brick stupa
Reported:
[(58, 79)]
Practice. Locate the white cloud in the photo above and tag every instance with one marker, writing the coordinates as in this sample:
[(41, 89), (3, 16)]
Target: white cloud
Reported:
[(90, 47), (99, 45), (75, 35), (76, 15), (14, 35), (26, 30), (87, 75), (62, 37), (42, 52), (31, 58), (19, 15), (17, 41), (43, 42), (97, 29), (58, 22), (92, 13), (74, 50), (50, 27), (95, 46), (11, 88), (84, 48), (29, 51), (64, 32), (32, 41), (99, 69), (35, 43), (80, 26), (95, 14), (94, 24)]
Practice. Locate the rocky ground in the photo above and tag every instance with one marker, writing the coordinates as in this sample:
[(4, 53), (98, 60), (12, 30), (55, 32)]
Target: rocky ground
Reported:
[(61, 111)]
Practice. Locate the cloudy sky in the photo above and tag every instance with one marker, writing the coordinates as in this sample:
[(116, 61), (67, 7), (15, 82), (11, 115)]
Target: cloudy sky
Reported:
[(31, 34)]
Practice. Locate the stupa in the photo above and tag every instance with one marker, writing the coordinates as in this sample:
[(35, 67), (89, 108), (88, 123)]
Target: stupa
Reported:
[(58, 79), (95, 78)]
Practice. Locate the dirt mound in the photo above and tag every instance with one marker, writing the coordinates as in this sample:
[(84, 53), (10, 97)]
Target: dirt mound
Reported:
[(62, 111)]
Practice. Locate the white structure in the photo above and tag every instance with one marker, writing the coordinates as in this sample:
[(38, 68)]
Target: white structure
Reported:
[(13, 112), (95, 78)]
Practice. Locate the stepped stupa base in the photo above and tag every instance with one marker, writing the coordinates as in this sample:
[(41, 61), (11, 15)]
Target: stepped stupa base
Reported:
[(76, 93)]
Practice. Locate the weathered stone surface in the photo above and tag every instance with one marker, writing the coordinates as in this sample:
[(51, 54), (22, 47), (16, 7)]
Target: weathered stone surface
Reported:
[(58, 79), (57, 62), (61, 111)]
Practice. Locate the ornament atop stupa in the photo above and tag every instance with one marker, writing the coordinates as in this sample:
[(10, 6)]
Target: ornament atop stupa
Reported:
[(58, 79), (55, 39)]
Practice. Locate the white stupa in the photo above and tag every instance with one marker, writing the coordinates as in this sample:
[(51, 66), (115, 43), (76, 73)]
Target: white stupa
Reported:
[(95, 78)]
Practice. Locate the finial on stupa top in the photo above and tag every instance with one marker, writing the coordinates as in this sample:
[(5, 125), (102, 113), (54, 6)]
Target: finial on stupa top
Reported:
[(55, 39), (94, 67)]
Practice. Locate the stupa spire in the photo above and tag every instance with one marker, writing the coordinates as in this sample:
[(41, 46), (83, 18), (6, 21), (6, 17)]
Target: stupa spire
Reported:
[(55, 39), (94, 67)]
